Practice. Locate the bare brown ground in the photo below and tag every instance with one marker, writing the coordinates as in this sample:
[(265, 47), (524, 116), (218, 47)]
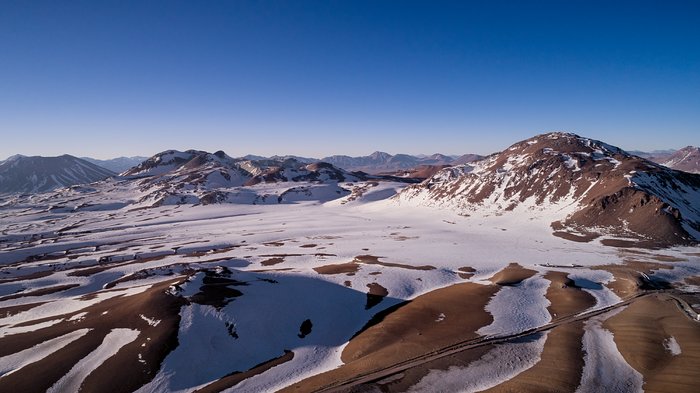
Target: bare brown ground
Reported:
[(141, 274), (376, 289), (511, 275), (340, 268), (375, 294), (628, 278), (639, 332), (274, 244), (408, 378), (559, 369), (411, 330), (279, 255), (693, 280), (272, 261), (110, 265), (40, 292), (12, 310), (667, 258), (466, 272), (372, 260), (32, 276), (122, 372), (214, 251), (353, 266), (576, 237), (235, 378), (565, 297), (282, 269), (215, 260)]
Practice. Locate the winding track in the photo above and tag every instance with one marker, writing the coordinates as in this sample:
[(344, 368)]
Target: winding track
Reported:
[(376, 375)]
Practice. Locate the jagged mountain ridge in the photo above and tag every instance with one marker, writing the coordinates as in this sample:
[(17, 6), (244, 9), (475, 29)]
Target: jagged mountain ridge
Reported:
[(22, 174), (219, 169), (595, 188), (377, 162), (195, 176)]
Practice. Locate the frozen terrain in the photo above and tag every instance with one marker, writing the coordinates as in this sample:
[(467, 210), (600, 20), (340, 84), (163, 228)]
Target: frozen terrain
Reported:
[(266, 288)]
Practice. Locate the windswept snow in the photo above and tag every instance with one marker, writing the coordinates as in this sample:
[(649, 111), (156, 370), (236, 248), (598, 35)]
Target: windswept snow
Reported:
[(111, 344), (518, 308), (605, 369), (57, 308), (150, 321), (501, 364), (14, 362), (593, 282)]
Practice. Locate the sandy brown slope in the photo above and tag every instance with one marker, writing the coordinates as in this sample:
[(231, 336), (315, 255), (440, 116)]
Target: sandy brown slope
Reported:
[(629, 277), (410, 330), (559, 369), (512, 274), (565, 297), (640, 331)]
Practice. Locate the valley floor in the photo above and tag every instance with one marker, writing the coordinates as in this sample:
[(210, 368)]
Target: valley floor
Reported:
[(355, 294)]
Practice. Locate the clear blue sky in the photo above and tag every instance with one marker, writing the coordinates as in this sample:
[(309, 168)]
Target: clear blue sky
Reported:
[(104, 79)]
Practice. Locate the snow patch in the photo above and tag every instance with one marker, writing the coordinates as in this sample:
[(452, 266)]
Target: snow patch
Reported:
[(605, 369), (519, 307), (150, 321), (672, 346), (501, 364)]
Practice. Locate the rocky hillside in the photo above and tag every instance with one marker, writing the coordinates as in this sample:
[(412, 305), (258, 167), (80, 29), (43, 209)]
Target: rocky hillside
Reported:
[(21, 174), (587, 188), (196, 176), (686, 159)]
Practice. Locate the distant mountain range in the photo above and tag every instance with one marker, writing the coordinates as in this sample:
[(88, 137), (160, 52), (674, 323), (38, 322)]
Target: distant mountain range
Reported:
[(117, 165), (21, 174), (380, 162), (375, 163), (686, 159)]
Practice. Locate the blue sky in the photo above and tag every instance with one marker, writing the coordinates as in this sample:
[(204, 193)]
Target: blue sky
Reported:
[(104, 79)]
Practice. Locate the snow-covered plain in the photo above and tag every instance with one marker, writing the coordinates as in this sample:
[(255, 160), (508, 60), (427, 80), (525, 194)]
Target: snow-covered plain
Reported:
[(273, 250)]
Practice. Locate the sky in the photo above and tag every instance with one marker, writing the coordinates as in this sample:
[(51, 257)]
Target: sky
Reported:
[(314, 78)]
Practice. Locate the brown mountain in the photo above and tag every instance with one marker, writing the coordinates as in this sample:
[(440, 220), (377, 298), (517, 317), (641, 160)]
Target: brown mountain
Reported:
[(686, 159), (588, 188)]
